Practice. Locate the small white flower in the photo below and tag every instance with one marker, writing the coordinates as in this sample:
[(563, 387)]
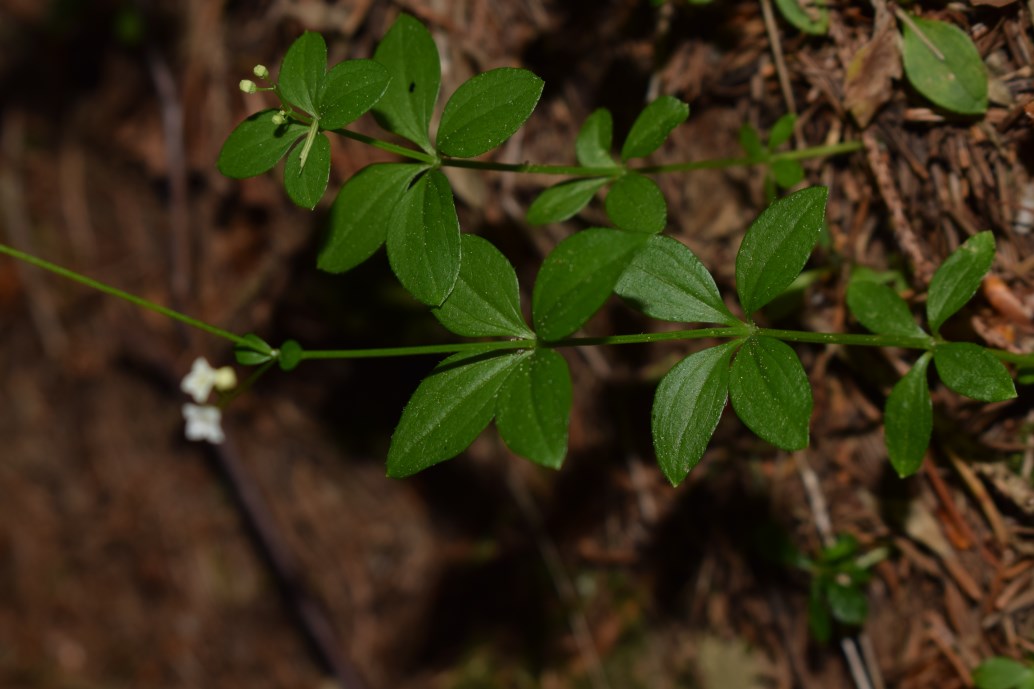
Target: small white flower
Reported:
[(203, 423), (202, 378), (248, 86)]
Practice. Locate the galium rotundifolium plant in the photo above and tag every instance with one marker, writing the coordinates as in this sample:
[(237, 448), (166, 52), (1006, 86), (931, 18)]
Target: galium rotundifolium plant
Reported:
[(511, 371)]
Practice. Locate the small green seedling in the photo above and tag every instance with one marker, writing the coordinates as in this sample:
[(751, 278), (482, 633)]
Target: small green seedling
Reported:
[(782, 172)]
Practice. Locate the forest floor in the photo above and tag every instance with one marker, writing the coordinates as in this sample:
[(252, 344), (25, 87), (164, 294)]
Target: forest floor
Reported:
[(284, 558)]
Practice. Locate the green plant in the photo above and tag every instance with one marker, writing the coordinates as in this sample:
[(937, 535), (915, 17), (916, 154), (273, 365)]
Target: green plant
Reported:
[(512, 372), (1003, 673), (838, 576)]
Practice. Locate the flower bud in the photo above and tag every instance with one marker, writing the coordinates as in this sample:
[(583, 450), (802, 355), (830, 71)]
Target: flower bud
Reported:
[(248, 86), (279, 118), (260, 71)]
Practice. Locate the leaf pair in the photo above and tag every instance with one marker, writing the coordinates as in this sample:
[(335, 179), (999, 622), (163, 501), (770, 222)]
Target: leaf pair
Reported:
[(766, 384), (483, 112), (329, 100), (634, 202), (964, 367), (528, 393)]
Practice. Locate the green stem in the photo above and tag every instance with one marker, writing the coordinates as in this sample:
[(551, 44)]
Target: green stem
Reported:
[(854, 339), (583, 171), (503, 345), (126, 296), (403, 151), (383, 352), (924, 343)]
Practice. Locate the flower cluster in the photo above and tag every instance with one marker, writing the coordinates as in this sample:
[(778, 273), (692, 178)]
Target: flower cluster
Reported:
[(204, 421)]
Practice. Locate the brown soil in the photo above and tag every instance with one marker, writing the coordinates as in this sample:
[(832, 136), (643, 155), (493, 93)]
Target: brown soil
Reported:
[(132, 558)]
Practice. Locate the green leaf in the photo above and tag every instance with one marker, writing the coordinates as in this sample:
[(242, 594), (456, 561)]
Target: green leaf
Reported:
[(534, 407), (256, 144), (411, 58), (958, 278), (750, 141), (687, 407), (971, 370), (448, 411), (486, 300), (290, 355), (818, 615), (782, 130), (303, 72), (635, 203), (486, 110), (1002, 673), (352, 88), (787, 173), (809, 16), (667, 281), (360, 214), (845, 546), (653, 126), (578, 276), (847, 603), (770, 392), (908, 419), (256, 351), (561, 201), (424, 239), (777, 245), (957, 79), (880, 309), (592, 147), (305, 185)]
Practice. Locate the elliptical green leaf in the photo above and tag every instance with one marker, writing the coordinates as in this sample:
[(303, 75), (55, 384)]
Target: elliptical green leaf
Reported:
[(578, 276), (411, 58), (687, 407), (908, 419), (666, 280), (770, 392), (360, 214), (486, 110), (448, 411), (534, 407), (777, 245), (424, 239)]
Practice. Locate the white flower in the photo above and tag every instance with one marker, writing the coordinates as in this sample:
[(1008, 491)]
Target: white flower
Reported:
[(202, 378), (203, 423)]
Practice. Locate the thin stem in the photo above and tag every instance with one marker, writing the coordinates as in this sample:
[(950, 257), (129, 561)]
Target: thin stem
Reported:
[(403, 151), (115, 292), (503, 345), (855, 339), (569, 170), (613, 171), (419, 350)]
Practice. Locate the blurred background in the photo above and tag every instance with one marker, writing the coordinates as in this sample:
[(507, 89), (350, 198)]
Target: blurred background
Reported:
[(284, 558)]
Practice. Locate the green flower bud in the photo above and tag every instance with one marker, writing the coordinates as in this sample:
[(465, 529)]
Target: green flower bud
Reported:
[(248, 86), (260, 71), (279, 119)]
